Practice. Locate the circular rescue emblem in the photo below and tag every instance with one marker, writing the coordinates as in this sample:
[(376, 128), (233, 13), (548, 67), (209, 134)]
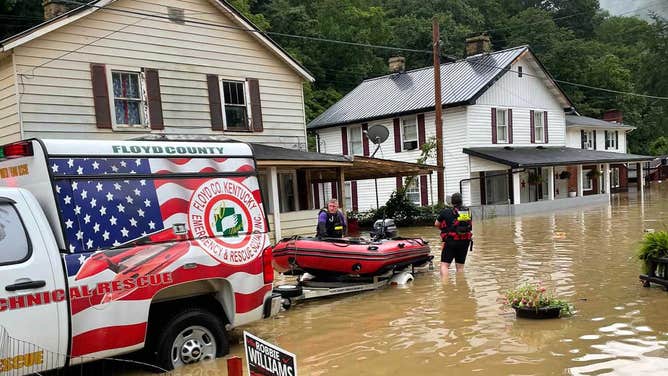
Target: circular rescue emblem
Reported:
[(227, 221)]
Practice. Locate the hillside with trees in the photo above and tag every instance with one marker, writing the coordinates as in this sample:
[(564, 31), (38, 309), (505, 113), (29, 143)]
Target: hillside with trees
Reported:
[(575, 40)]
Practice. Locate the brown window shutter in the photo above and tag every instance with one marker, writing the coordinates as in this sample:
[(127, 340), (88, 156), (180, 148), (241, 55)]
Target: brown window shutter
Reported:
[(344, 140), (98, 73), (154, 99), (421, 135), (582, 139), (510, 125), (494, 140), (255, 104), (424, 199), (545, 126), (532, 125), (595, 139), (365, 140), (215, 103), (483, 192), (616, 139), (353, 192), (399, 182), (397, 135)]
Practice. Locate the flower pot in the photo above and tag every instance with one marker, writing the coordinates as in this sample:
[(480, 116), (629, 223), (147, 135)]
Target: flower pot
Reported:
[(537, 313), (572, 194)]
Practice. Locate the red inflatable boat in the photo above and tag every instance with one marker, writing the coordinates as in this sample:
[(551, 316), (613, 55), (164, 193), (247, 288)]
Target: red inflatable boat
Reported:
[(348, 256)]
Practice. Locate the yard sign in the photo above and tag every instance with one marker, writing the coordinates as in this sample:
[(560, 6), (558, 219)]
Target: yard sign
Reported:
[(265, 359)]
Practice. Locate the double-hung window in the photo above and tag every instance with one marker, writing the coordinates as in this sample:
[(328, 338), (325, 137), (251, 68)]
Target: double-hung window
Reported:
[(236, 108), (587, 180), (501, 125), (409, 132), (611, 140), (129, 99), (355, 141), (588, 140), (413, 191), (614, 182), (538, 126)]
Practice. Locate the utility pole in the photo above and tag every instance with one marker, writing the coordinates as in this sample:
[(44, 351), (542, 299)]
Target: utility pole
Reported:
[(438, 107)]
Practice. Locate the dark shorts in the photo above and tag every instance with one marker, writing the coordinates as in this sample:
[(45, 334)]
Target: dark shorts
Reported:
[(455, 250)]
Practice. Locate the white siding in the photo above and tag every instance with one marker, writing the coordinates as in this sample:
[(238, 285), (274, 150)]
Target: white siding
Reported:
[(456, 163), (10, 129), (57, 100), (479, 164)]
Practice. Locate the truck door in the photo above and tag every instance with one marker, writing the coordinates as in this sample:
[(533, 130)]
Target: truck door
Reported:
[(33, 311)]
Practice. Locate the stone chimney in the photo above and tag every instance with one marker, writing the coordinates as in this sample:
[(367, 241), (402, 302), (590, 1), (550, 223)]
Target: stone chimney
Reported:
[(615, 116), (478, 45), (54, 8), (397, 64)]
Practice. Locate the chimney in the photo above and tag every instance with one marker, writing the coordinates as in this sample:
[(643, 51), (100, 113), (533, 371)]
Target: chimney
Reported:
[(397, 64), (478, 45), (615, 116), (54, 8)]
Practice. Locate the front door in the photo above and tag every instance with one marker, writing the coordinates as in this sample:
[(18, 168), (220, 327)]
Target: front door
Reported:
[(32, 334)]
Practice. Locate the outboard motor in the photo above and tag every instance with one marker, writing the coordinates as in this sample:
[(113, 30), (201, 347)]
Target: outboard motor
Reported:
[(384, 229)]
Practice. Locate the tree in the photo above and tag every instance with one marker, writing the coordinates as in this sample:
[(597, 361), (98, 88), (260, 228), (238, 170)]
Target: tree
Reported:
[(659, 147)]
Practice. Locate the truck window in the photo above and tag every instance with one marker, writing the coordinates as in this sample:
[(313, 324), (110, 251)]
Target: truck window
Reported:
[(14, 244)]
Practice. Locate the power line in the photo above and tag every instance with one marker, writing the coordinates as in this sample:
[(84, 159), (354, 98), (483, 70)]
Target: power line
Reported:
[(204, 23)]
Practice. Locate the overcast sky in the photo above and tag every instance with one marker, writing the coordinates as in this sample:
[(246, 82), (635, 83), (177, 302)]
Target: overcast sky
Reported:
[(635, 7)]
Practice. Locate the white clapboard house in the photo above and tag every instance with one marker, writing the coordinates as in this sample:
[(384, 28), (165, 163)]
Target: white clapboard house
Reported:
[(151, 69), (508, 144)]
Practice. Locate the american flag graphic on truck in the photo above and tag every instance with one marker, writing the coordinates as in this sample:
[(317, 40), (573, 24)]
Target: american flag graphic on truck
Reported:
[(131, 224)]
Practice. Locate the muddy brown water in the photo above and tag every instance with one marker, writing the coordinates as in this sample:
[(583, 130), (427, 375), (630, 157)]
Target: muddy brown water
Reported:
[(436, 327)]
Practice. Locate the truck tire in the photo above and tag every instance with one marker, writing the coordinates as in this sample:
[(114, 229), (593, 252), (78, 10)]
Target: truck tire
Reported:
[(190, 336), (289, 291)]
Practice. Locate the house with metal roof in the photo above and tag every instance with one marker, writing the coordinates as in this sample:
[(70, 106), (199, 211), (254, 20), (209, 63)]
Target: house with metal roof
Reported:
[(506, 143)]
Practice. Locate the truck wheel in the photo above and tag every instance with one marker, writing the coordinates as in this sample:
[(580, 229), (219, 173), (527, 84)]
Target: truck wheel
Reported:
[(190, 336), (289, 291)]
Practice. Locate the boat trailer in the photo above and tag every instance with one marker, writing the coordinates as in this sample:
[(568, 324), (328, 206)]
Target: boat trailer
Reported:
[(309, 287)]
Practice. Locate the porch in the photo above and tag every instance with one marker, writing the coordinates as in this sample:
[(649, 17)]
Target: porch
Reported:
[(289, 179), (526, 180)]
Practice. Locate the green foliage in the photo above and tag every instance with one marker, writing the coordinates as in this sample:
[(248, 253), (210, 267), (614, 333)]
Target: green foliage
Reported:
[(534, 295), (653, 245), (659, 147)]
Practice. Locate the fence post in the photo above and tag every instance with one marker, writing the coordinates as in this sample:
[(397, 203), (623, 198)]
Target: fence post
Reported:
[(234, 367)]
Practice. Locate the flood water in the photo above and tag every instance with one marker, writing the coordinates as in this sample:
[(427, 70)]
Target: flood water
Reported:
[(458, 325)]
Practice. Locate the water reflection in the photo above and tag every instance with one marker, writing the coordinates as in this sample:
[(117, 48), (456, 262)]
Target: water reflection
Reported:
[(436, 327)]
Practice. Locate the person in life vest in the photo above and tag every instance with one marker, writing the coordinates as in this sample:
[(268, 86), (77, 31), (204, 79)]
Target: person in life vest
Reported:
[(456, 232), (331, 221)]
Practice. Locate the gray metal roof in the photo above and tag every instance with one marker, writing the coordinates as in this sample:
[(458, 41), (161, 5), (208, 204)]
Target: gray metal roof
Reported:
[(588, 122), (463, 81), (550, 156)]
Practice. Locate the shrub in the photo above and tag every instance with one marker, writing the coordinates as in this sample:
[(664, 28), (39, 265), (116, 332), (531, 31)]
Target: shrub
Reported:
[(654, 245)]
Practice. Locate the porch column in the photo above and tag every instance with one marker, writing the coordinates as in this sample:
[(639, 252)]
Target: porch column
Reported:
[(273, 183), (606, 178), (550, 183), (516, 188), (309, 190), (580, 181), (342, 189), (641, 178)]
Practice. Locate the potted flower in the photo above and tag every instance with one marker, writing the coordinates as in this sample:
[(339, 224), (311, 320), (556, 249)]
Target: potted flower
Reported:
[(531, 300), (654, 246), (594, 173), (535, 179), (565, 175)]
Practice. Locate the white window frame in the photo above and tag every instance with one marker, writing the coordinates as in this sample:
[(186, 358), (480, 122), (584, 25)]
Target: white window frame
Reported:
[(611, 141), (143, 105), (351, 145), (349, 196), (589, 139), (249, 121), (538, 119), (501, 113), (413, 191), (587, 182), (404, 140)]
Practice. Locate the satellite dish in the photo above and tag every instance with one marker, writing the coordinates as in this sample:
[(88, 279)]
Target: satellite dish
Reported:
[(378, 134)]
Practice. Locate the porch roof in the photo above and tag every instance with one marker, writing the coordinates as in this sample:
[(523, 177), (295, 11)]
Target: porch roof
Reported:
[(354, 167), (516, 157)]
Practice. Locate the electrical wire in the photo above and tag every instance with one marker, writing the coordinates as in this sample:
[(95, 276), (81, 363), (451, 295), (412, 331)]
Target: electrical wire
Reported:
[(367, 45)]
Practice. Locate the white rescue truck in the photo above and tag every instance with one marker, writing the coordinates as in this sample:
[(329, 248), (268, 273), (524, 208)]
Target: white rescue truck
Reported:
[(107, 247)]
